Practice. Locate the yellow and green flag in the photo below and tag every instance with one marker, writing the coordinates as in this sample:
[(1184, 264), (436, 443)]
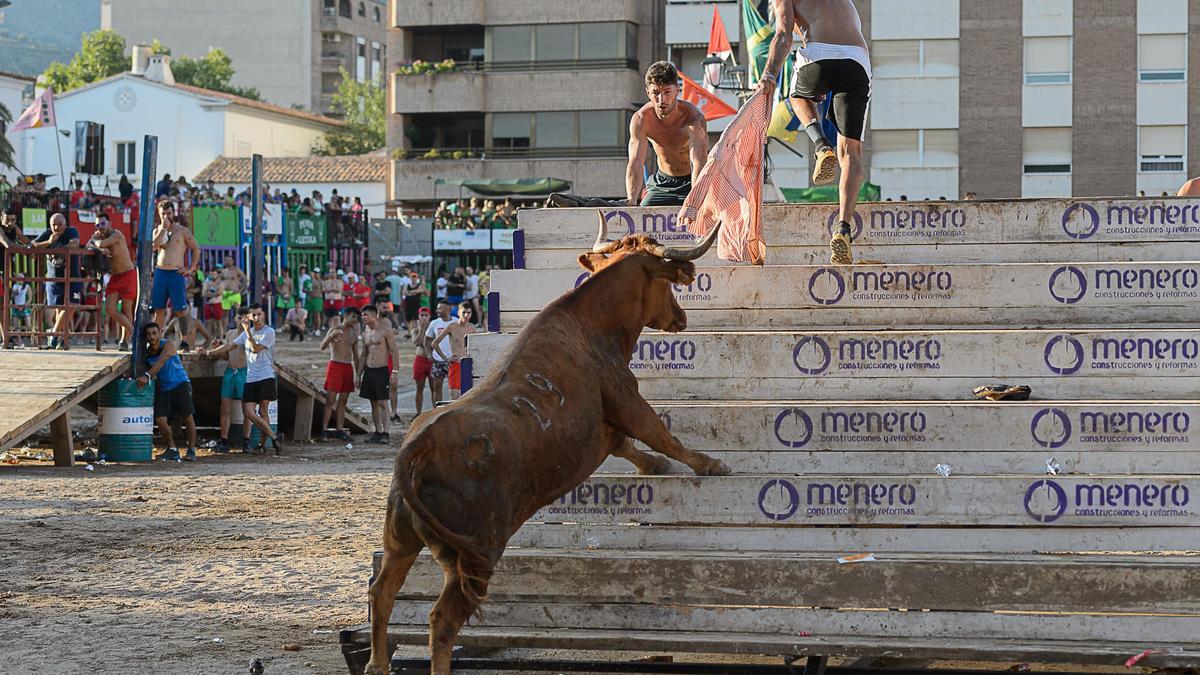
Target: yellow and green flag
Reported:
[(756, 15)]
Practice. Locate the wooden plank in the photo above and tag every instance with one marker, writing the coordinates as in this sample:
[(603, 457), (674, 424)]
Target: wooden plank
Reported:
[(905, 365), (900, 223), (814, 252), (61, 441), (961, 462), (791, 643), (883, 625), (1081, 501), (841, 540), (1074, 430), (1173, 288), (302, 428), (83, 373)]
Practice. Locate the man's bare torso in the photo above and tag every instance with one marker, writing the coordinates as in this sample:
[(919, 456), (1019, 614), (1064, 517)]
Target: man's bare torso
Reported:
[(375, 345), (834, 22), (170, 255), (332, 288), (458, 339), (237, 357), (341, 346), (119, 259), (669, 137)]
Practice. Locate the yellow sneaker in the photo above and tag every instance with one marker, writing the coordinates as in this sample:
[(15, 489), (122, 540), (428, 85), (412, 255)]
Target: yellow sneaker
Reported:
[(840, 245), (826, 167)]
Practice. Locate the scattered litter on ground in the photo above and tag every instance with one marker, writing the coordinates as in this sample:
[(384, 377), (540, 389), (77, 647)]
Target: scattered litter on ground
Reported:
[(856, 558), (943, 470), (1053, 468), (349, 446), (1019, 668), (805, 633), (291, 647), (593, 541), (90, 467), (322, 631), (1133, 660)]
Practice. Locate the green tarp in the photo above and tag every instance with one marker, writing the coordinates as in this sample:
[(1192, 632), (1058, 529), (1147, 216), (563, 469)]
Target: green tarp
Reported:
[(502, 187), (828, 193)]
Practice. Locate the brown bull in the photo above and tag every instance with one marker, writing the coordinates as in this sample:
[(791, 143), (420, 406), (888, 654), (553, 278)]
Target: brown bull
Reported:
[(553, 408)]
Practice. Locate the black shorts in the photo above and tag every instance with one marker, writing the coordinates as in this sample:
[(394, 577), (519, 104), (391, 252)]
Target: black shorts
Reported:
[(376, 384), (263, 390), (664, 190), (849, 85), (174, 403), (412, 309)]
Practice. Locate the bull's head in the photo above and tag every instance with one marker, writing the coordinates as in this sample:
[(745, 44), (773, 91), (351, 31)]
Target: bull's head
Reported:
[(659, 266)]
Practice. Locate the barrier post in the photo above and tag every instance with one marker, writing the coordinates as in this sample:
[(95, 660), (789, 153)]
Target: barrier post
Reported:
[(145, 256), (255, 262)]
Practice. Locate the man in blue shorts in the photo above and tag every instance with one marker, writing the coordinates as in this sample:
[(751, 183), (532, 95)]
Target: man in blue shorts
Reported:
[(60, 235), (172, 242)]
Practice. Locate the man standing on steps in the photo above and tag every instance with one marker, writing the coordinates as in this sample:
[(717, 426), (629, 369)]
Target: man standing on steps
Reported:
[(173, 242), (832, 61), (679, 135)]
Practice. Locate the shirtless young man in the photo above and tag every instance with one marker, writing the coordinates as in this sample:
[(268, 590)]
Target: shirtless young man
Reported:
[(378, 344), (331, 289), (172, 242), (832, 61), (233, 387), (122, 279), (340, 372), (422, 365), (679, 134), (457, 332)]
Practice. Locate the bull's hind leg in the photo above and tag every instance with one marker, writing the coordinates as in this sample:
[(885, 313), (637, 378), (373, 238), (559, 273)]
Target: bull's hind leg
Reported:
[(450, 612), (401, 545), (646, 463), (636, 419)]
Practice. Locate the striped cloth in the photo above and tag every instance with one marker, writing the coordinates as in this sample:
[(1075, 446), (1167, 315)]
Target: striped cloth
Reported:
[(729, 188)]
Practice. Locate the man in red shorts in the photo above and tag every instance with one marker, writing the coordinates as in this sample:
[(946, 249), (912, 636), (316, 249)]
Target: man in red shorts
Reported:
[(122, 279), (339, 372), (422, 363)]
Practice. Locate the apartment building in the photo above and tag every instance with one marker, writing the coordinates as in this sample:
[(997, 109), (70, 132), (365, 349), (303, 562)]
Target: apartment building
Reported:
[(539, 89), (1032, 98), (292, 51)]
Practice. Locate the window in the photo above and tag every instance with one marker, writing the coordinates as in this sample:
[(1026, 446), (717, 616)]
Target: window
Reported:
[(555, 129), (377, 15), (909, 148), (1048, 60), (555, 42), (600, 128), (510, 130), (127, 158), (329, 9), (362, 10), (511, 43), (1162, 58), (1047, 150), (1161, 148), (915, 58), (344, 8), (600, 41), (360, 61)]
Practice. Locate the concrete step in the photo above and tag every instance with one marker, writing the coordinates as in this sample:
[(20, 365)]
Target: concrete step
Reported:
[(792, 296), (894, 225), (898, 365)]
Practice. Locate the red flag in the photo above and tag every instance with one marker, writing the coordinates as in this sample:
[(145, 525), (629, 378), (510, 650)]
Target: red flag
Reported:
[(712, 107), (39, 114), (718, 46)]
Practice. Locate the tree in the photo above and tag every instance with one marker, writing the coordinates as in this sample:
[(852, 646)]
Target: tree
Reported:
[(101, 55), (6, 148), (212, 71), (364, 125)]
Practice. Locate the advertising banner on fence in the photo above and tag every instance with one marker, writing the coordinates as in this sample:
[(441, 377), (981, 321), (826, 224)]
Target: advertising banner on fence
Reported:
[(215, 226), (33, 221), (462, 240), (272, 219)]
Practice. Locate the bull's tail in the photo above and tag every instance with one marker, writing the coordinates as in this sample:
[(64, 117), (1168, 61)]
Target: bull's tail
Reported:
[(474, 565)]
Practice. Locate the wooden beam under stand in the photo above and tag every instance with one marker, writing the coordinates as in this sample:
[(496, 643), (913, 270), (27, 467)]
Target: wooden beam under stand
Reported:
[(60, 439), (302, 429)]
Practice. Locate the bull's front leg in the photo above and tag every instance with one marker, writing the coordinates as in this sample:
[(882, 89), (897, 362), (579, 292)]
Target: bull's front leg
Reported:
[(632, 416)]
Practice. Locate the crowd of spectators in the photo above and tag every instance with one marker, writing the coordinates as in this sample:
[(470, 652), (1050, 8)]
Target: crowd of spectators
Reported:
[(473, 215)]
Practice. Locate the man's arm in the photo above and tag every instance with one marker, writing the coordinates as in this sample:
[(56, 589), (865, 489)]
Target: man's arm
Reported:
[(161, 235), (168, 351), (698, 138), (194, 249), (781, 43), (329, 338), (638, 144)]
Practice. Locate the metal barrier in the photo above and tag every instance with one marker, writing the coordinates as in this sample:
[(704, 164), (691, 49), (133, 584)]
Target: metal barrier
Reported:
[(30, 265)]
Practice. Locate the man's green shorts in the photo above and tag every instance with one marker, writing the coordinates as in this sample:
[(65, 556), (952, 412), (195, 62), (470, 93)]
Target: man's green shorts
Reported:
[(313, 305), (233, 382)]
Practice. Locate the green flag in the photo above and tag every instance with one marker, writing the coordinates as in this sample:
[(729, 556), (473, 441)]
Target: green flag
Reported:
[(758, 35)]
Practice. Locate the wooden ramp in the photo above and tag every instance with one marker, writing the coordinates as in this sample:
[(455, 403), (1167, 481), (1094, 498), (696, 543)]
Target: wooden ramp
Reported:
[(40, 388)]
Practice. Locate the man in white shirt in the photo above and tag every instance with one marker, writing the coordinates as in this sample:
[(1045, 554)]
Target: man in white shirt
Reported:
[(471, 295), (441, 365), (304, 276), (258, 339)]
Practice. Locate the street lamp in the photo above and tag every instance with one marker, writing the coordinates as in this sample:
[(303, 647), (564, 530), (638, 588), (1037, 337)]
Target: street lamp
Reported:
[(718, 74)]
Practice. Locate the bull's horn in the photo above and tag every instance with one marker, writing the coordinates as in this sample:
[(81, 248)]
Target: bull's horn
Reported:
[(602, 246), (687, 254)]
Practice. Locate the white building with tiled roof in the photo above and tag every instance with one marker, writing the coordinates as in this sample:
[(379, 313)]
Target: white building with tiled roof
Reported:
[(12, 86), (363, 176), (194, 126)]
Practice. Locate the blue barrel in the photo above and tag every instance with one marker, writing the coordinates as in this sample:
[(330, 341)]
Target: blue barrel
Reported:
[(235, 423), (126, 422)]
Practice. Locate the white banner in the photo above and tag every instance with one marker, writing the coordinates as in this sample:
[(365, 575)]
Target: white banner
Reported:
[(462, 240), (272, 219), (502, 240), (127, 421)]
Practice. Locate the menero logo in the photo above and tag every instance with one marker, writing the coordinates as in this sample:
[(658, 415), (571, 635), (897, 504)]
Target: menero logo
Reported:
[(1068, 285), (1080, 221)]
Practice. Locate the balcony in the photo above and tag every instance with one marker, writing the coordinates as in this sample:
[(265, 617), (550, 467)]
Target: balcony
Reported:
[(413, 180), (476, 91), (416, 13), (338, 24), (413, 13), (330, 63)]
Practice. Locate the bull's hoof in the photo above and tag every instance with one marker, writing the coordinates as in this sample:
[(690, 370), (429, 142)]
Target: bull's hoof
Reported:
[(657, 466), (371, 669), (714, 467)]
